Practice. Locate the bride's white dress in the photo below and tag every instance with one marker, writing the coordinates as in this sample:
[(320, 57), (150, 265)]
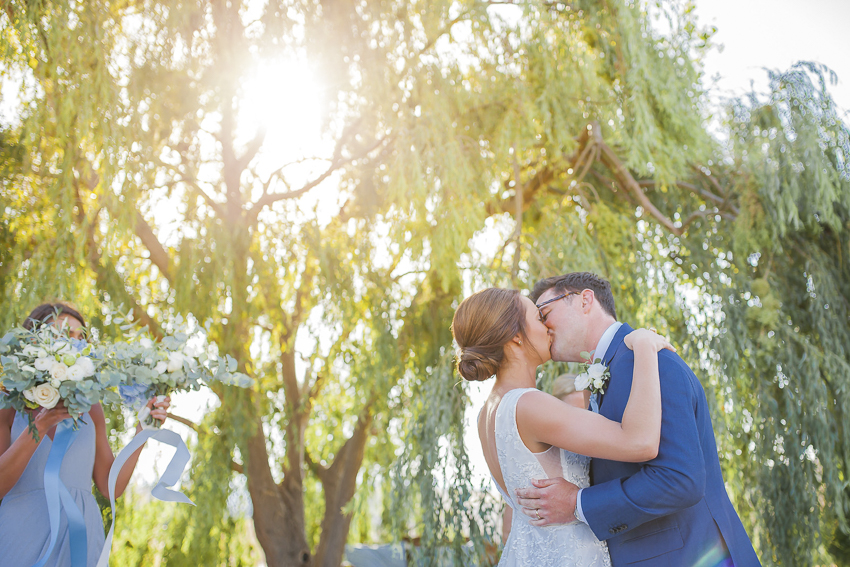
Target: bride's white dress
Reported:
[(565, 545)]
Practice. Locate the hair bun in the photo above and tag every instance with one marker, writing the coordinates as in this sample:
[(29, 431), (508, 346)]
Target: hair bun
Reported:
[(477, 364)]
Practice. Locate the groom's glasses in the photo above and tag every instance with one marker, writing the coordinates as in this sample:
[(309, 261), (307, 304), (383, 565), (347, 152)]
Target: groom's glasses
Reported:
[(540, 306)]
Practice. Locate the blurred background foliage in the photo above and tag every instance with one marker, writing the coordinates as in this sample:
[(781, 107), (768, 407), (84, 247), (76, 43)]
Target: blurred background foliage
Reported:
[(459, 144)]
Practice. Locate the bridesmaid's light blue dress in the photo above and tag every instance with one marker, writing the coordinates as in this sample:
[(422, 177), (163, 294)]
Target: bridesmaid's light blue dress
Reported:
[(24, 524)]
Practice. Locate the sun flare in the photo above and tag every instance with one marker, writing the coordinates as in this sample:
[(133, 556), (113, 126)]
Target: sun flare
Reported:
[(283, 97)]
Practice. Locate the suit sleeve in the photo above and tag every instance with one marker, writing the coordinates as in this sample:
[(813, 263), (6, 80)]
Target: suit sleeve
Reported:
[(673, 481)]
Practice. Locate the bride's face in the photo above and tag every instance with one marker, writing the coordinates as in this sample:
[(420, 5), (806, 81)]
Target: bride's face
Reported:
[(537, 332)]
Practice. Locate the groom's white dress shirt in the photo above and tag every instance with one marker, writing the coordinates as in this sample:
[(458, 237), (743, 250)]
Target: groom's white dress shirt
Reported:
[(600, 352)]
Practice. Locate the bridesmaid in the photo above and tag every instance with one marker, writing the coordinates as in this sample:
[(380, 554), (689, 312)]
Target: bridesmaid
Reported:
[(24, 524)]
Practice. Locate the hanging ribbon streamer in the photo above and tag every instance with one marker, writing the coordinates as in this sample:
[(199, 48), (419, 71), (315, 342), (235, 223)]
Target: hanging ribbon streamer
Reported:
[(161, 491), (58, 497)]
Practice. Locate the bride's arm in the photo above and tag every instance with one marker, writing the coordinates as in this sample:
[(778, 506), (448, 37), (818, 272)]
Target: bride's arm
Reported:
[(507, 518), (545, 419)]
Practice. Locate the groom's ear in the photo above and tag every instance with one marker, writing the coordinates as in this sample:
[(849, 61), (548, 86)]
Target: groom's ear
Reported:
[(587, 300)]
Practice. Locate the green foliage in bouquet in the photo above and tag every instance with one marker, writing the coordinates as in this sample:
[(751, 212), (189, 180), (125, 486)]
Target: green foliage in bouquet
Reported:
[(182, 360), (42, 367)]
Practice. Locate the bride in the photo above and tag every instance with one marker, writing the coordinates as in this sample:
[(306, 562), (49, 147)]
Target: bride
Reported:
[(527, 434)]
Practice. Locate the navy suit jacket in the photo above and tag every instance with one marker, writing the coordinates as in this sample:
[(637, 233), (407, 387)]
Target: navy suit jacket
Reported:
[(674, 509)]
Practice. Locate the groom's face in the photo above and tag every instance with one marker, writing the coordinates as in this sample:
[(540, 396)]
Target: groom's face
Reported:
[(566, 324)]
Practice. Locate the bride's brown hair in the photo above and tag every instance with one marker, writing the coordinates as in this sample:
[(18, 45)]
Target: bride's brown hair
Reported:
[(482, 325)]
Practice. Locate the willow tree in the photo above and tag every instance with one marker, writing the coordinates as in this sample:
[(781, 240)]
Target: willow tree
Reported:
[(125, 106), (573, 133)]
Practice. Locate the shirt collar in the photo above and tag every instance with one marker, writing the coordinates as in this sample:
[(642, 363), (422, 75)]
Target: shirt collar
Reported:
[(605, 341)]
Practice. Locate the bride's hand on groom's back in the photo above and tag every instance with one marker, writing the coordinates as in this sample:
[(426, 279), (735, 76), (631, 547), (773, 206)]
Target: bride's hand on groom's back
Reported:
[(647, 338)]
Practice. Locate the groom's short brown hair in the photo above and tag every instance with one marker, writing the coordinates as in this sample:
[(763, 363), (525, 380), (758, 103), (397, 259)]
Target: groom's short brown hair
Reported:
[(578, 281)]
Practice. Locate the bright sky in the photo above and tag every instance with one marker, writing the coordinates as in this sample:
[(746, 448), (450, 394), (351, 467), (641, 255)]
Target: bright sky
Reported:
[(775, 34)]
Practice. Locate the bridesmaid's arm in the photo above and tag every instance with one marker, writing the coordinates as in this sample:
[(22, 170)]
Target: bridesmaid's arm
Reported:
[(14, 456), (104, 458)]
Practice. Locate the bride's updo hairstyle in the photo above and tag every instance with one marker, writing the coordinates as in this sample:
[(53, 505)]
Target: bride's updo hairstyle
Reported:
[(483, 324)]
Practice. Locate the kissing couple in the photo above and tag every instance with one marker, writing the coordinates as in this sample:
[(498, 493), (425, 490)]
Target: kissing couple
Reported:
[(636, 479)]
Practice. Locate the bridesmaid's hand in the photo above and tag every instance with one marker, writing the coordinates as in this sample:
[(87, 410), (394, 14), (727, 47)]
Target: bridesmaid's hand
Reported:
[(646, 338), (46, 419), (159, 410)]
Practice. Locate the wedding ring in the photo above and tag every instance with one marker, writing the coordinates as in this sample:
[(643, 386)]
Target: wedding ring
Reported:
[(536, 511)]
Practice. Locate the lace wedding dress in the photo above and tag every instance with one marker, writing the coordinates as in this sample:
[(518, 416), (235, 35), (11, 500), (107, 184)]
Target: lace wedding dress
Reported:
[(565, 545)]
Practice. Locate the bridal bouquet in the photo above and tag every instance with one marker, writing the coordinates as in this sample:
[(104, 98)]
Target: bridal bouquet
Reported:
[(182, 360), (40, 368)]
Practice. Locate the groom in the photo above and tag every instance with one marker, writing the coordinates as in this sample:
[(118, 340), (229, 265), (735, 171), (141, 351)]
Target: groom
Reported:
[(670, 511)]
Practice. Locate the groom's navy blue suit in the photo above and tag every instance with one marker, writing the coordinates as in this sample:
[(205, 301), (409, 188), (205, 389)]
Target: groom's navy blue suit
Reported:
[(673, 510)]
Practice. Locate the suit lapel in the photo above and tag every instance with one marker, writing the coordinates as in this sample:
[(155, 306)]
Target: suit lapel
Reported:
[(611, 353)]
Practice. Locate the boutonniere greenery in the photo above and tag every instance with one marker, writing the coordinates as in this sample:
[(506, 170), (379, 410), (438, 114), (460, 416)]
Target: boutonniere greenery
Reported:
[(594, 376)]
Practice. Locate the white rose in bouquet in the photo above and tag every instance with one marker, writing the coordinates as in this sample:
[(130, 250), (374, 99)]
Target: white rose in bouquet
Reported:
[(598, 383), (62, 348), (175, 361), (191, 351), (44, 395), (582, 381), (34, 351), (86, 364), (59, 372), (161, 367), (75, 373), (44, 363)]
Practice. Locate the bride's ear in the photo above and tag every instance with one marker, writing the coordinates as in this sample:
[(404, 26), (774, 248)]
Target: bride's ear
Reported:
[(517, 340)]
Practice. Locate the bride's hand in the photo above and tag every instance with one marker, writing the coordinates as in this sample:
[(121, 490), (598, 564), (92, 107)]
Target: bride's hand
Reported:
[(645, 338)]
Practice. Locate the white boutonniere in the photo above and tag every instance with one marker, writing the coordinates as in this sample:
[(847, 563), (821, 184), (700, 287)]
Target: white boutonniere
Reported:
[(595, 375)]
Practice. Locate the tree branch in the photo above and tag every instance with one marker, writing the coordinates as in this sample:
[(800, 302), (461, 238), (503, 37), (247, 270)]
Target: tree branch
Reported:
[(252, 150), (317, 468), (337, 162), (190, 424), (611, 184), (158, 255), (544, 176), (707, 195), (95, 260), (626, 181)]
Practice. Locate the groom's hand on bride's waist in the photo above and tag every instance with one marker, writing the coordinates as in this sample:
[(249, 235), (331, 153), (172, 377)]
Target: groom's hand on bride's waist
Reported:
[(548, 501)]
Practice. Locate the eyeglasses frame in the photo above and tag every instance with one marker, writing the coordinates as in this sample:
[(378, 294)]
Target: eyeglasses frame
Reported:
[(540, 306)]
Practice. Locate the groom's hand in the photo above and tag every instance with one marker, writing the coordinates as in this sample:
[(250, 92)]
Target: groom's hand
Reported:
[(550, 501)]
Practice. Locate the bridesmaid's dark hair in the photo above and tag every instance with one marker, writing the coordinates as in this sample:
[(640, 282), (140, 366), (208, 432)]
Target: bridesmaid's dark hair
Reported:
[(46, 313)]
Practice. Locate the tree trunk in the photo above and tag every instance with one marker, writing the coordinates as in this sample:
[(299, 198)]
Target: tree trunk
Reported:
[(278, 510), (339, 483)]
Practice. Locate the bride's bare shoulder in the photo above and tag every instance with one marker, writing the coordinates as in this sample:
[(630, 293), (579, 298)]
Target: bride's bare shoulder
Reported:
[(535, 397)]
